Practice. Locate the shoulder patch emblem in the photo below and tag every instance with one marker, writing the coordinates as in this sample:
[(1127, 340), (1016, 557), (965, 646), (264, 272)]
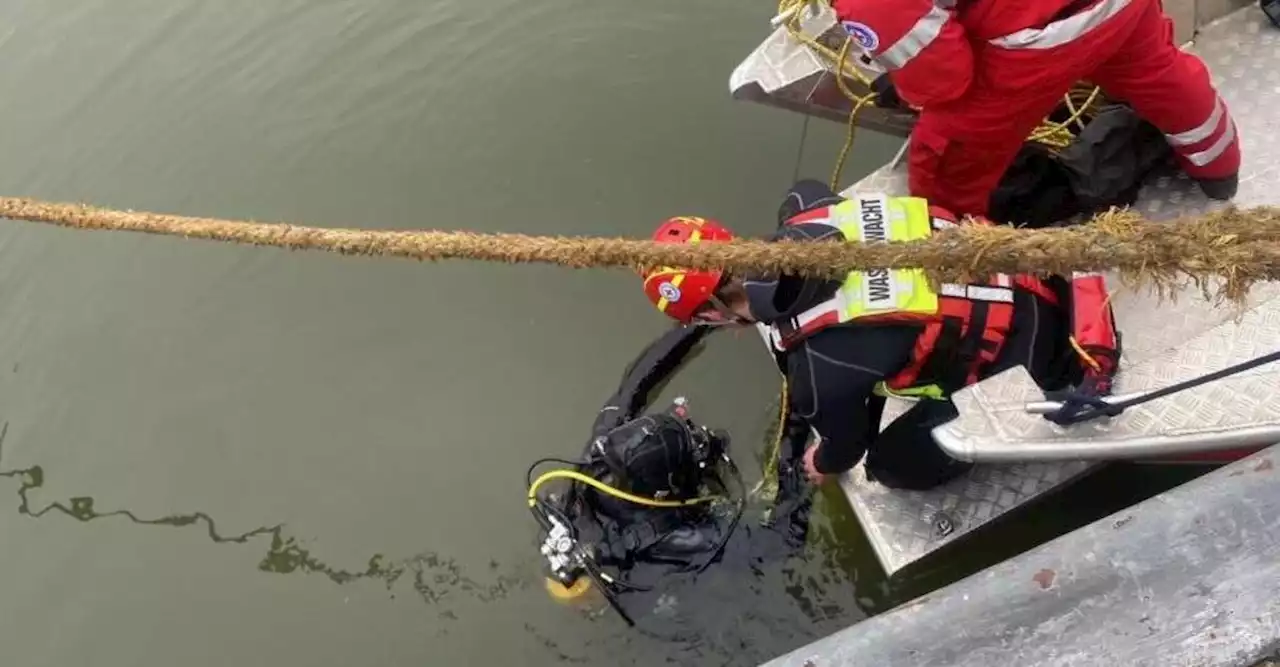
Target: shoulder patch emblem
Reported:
[(862, 35)]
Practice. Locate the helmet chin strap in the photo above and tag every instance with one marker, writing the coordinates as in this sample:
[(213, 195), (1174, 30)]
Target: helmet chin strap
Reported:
[(729, 317)]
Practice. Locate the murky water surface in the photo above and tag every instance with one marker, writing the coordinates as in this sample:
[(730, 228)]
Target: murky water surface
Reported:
[(228, 456)]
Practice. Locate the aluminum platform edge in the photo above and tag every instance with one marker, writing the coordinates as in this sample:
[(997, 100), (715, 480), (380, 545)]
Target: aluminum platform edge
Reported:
[(1187, 577)]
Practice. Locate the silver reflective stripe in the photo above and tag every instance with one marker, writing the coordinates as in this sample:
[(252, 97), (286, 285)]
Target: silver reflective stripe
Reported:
[(1200, 132), (917, 39), (977, 293), (1217, 149), (1062, 32), (994, 294)]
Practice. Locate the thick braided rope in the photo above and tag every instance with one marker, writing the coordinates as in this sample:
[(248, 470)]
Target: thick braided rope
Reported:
[(1240, 246)]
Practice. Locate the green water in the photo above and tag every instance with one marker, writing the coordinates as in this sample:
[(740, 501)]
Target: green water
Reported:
[(207, 446)]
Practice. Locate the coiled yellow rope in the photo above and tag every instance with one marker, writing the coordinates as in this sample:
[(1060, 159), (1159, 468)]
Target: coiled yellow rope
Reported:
[(1082, 101)]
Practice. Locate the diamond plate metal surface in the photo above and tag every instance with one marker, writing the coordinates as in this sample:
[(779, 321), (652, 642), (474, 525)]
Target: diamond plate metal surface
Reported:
[(1177, 338), (905, 526), (1236, 411)]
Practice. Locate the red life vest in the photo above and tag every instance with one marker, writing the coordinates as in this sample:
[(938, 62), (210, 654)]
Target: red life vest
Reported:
[(958, 341)]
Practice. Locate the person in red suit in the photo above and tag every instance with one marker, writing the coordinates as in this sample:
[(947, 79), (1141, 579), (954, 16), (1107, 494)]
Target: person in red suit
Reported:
[(984, 73)]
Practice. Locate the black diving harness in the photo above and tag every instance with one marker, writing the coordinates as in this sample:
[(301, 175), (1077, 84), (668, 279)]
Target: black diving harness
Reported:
[(644, 483)]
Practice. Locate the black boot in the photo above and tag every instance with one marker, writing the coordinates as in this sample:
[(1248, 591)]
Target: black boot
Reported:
[(905, 455), (1221, 189)]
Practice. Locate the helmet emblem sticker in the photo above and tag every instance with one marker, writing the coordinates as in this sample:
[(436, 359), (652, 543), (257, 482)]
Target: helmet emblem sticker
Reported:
[(669, 292)]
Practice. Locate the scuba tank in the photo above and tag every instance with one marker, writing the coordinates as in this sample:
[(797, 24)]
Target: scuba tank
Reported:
[(647, 488)]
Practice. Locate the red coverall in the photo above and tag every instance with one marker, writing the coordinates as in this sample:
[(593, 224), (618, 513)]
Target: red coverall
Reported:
[(986, 72)]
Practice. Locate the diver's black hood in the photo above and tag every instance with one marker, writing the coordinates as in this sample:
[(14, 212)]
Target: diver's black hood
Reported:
[(773, 298)]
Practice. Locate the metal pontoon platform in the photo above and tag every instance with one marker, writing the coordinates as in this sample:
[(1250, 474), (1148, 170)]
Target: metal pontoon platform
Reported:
[(1164, 341), (1182, 578)]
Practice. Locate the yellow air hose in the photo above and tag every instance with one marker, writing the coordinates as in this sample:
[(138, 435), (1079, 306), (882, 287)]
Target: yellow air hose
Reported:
[(610, 490), (582, 586)]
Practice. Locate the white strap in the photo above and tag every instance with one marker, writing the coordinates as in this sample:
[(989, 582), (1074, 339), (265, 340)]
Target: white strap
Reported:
[(978, 293)]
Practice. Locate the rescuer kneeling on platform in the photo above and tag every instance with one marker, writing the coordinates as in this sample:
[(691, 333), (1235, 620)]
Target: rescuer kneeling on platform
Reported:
[(845, 345)]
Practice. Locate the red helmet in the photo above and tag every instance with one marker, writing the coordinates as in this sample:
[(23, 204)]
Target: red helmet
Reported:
[(677, 292)]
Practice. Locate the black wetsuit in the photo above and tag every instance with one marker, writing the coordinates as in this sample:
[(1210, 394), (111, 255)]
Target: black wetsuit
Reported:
[(832, 374)]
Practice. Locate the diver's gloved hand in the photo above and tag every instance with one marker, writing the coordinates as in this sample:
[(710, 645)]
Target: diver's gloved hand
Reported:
[(789, 515), (886, 93), (795, 440)]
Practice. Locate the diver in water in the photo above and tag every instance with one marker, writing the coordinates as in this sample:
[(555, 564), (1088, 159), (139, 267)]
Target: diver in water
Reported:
[(843, 346), (653, 496)]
